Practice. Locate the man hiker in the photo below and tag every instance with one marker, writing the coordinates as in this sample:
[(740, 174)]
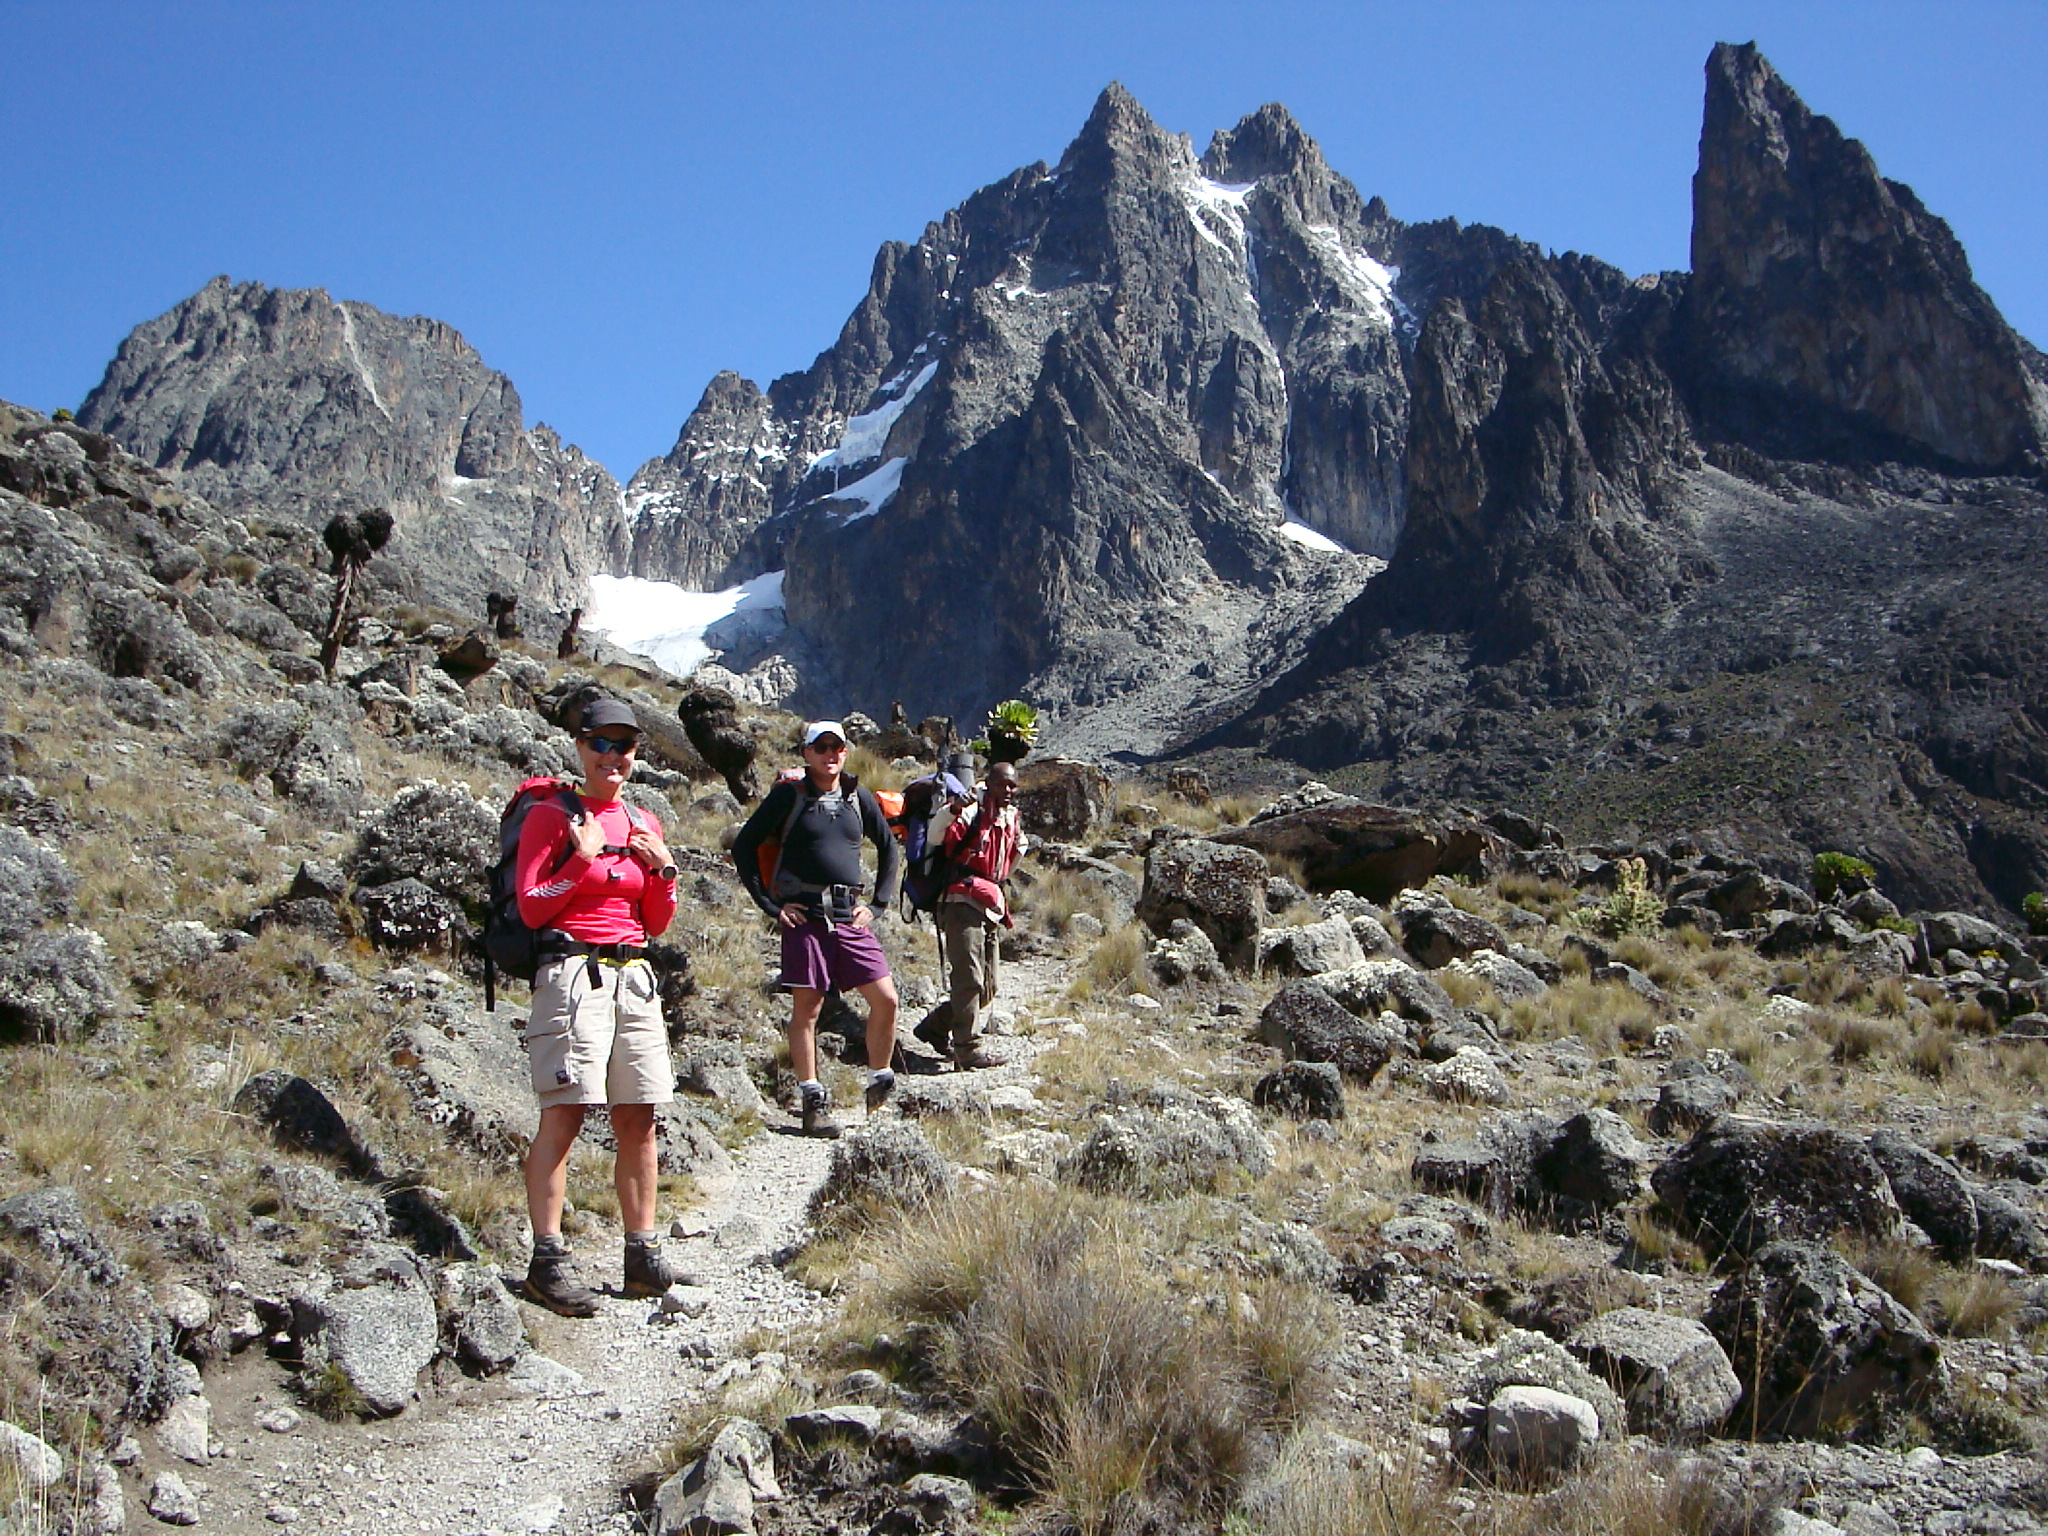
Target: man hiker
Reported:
[(814, 894), (981, 849)]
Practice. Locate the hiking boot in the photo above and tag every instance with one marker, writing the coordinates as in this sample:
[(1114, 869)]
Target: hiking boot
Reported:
[(549, 1284), (970, 1057), (816, 1117), (934, 1028), (649, 1273), (880, 1086)]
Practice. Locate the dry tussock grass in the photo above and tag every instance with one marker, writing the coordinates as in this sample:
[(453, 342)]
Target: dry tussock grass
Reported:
[(1045, 1311)]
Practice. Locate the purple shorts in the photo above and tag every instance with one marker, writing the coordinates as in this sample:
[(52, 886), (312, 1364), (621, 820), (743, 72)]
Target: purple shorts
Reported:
[(841, 958)]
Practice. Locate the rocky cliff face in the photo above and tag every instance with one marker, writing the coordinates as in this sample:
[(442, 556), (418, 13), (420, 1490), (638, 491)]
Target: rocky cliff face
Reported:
[(286, 401), (1828, 309), (1083, 435), (1717, 551)]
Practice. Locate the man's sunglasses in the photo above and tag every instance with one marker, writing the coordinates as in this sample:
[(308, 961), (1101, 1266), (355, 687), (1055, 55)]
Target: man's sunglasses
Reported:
[(622, 745)]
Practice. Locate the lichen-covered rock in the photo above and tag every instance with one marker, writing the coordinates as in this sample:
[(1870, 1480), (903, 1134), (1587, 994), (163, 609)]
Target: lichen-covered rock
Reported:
[(1596, 1161), (36, 885), (1302, 1090), (437, 834), (1310, 949), (57, 983), (378, 1328), (1308, 1024), (1673, 1375), (1220, 890), (1931, 1191), (1373, 987), (1816, 1344), (479, 1320), (1436, 933), (1524, 1359), (1741, 1184)]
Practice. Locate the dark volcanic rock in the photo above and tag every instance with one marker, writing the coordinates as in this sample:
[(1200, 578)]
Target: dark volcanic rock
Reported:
[(1932, 1193), (1827, 307), (1221, 890), (1376, 850), (286, 402), (1815, 1343), (1309, 1025), (1742, 1183)]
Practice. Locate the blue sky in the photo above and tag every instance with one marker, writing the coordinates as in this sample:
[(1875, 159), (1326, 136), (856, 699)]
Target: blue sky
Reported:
[(612, 202)]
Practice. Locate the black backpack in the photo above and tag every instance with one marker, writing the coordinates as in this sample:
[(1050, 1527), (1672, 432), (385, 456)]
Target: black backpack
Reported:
[(510, 946), (929, 806)]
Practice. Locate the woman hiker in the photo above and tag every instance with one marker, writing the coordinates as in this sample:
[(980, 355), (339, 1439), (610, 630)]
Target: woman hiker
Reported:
[(596, 886)]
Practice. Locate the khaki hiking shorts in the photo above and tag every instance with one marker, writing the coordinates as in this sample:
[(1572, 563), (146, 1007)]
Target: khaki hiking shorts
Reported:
[(601, 1042)]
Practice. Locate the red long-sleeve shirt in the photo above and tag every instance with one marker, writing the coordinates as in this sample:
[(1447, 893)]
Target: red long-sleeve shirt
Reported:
[(611, 899)]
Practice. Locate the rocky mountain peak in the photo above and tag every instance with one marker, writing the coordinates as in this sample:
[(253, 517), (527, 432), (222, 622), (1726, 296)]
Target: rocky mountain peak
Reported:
[(1829, 311), (291, 403)]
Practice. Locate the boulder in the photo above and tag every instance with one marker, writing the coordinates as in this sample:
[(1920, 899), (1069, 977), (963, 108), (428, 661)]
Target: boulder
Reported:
[(1309, 1025), (1302, 1090), (1373, 987), (1436, 933), (1375, 850), (1520, 1358), (1467, 1076), (1310, 949), (1742, 1183), (1941, 932), (1221, 890), (715, 1495), (1685, 1103), (1595, 1161), (1749, 893), (171, 1501), (1673, 1375), (29, 1458), (59, 983), (1932, 1193), (1816, 1344), (1511, 980), (1061, 799), (479, 1319), (36, 885), (1494, 1166), (378, 1327), (299, 1115), (1536, 1432), (2006, 1229), (1185, 953)]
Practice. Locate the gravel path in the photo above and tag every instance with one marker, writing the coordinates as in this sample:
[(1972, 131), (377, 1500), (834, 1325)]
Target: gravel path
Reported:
[(491, 1459)]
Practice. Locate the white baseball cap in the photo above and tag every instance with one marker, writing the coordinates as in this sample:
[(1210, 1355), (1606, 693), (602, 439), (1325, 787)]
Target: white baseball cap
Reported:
[(819, 728)]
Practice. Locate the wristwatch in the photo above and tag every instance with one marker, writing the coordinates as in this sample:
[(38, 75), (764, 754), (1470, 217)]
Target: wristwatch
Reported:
[(666, 872)]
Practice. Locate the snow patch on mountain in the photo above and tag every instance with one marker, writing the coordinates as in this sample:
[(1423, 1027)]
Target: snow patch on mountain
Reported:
[(868, 433), (871, 490), (665, 622)]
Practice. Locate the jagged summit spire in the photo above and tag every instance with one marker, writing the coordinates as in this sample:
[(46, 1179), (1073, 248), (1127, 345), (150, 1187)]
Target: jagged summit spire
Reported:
[(1268, 142), (1116, 128), (1832, 291)]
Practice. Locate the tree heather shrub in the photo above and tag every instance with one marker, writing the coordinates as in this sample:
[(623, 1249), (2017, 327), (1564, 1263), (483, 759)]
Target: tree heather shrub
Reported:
[(1837, 874)]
